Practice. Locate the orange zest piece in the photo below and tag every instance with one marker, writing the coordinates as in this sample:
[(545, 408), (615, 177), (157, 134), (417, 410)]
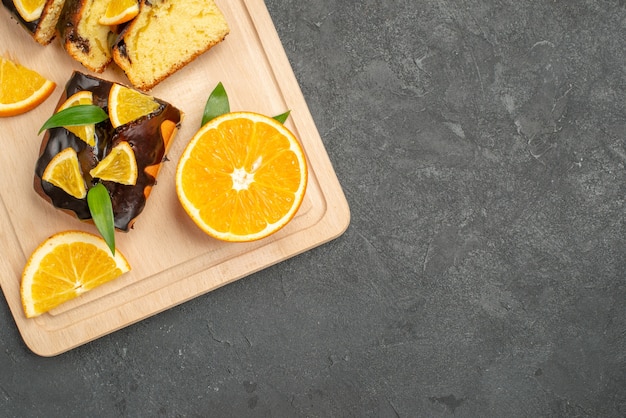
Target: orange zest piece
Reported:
[(127, 105), (242, 177), (64, 266), (119, 11), (119, 165), (21, 89), (63, 171), (85, 132)]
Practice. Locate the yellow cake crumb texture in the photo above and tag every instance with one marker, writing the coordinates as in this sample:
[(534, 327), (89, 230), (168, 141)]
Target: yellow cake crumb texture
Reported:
[(148, 52), (148, 41)]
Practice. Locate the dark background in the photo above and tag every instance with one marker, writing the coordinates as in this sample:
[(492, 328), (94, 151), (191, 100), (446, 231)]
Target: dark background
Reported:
[(481, 147)]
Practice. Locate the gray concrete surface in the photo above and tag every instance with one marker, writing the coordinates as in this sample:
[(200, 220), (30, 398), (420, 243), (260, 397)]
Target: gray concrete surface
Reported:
[(481, 146)]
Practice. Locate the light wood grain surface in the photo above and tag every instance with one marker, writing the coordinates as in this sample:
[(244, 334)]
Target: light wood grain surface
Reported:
[(172, 260)]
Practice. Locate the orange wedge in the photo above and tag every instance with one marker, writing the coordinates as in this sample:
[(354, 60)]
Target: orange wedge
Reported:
[(127, 105), (29, 10), (120, 165), (64, 266), (85, 132), (21, 89), (63, 171), (119, 11), (242, 177)]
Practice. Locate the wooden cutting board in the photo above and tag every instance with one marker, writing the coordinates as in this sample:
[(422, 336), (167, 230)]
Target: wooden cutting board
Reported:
[(172, 260)]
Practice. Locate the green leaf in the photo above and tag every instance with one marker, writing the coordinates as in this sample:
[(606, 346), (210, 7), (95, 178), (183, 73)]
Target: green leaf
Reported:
[(101, 210), (282, 117), (216, 105), (75, 116)]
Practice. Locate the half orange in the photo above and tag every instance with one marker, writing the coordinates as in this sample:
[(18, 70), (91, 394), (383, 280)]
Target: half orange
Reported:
[(242, 177)]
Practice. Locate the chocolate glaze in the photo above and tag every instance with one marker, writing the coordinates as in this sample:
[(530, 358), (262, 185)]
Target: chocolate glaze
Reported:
[(30, 26), (143, 135)]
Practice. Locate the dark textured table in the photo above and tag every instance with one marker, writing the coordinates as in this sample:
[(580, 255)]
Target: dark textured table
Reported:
[(481, 146)]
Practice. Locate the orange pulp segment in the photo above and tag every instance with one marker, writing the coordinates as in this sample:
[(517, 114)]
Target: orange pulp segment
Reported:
[(127, 105), (63, 171), (21, 89), (119, 165), (29, 10), (85, 132), (119, 11)]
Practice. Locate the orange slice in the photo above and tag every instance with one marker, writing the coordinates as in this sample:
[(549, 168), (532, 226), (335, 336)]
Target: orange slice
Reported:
[(127, 105), (21, 89), (242, 177), (64, 266), (29, 10), (119, 165), (85, 132), (119, 11), (63, 171)]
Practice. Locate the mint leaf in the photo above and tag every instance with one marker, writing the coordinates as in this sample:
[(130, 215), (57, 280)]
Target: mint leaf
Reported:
[(217, 104), (75, 116), (282, 117), (101, 209)]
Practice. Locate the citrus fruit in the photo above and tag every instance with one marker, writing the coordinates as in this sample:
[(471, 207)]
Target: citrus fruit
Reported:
[(85, 132), (127, 105), (21, 89), (119, 11), (63, 171), (29, 10), (64, 266), (242, 176), (119, 165)]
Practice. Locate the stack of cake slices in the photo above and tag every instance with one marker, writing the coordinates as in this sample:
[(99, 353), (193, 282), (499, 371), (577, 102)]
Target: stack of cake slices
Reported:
[(162, 38)]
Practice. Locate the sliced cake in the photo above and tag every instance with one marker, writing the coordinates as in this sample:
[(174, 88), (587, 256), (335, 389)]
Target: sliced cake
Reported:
[(165, 36), (83, 37), (86, 155), (40, 22)]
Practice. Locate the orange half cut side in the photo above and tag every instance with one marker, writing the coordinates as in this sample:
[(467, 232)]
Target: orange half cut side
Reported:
[(242, 177)]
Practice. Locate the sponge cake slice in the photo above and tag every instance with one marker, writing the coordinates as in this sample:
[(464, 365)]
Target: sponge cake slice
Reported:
[(165, 36)]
